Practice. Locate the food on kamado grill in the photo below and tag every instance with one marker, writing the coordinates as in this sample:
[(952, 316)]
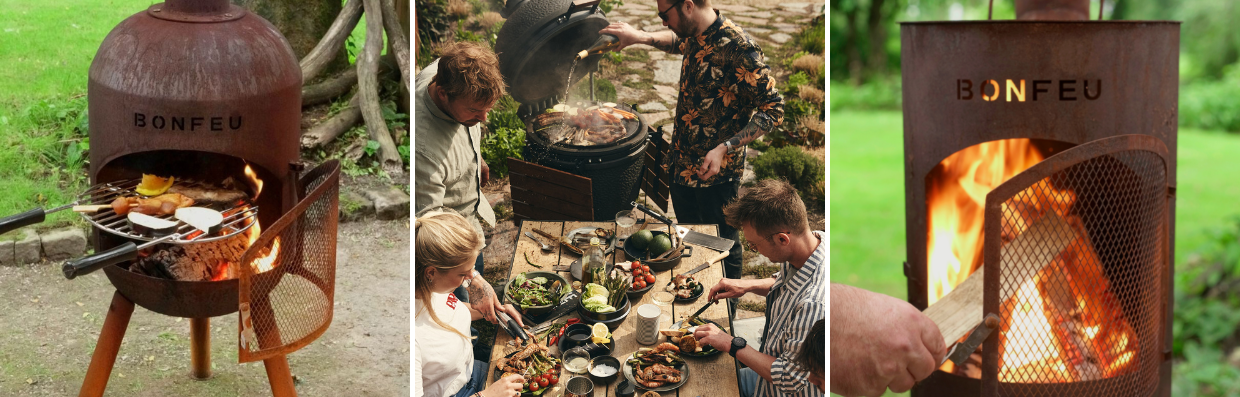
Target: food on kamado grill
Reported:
[(532, 292), (595, 125), (150, 226), (154, 185), (204, 219)]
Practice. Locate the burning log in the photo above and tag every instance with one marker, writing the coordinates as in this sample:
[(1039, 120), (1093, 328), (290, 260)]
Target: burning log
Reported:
[(195, 262), (1024, 257)]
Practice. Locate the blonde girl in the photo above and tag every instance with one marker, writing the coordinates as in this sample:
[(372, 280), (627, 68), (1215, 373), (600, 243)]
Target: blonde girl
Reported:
[(445, 248)]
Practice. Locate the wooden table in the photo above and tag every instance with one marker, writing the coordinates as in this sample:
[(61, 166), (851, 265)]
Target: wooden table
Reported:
[(713, 376)]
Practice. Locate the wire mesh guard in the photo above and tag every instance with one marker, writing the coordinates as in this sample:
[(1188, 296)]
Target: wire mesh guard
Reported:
[(237, 218), (287, 289), (1090, 317)]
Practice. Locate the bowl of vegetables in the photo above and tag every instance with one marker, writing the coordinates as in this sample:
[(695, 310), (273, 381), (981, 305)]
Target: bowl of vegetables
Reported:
[(536, 293), (643, 280), (605, 301)]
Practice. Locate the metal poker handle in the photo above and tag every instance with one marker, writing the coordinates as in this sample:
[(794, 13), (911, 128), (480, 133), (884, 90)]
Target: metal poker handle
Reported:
[(125, 252), (21, 220), (651, 212)]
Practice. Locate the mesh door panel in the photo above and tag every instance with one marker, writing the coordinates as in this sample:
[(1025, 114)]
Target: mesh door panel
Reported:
[(1082, 253), (288, 306)]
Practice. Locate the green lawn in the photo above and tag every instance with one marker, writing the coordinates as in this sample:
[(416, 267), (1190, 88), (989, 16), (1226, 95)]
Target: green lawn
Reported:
[(867, 196), (45, 54)]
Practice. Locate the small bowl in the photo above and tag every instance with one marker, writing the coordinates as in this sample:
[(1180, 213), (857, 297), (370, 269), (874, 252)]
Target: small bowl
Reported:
[(609, 361), (614, 319), (566, 341), (577, 353), (636, 295), (625, 389), (579, 385)]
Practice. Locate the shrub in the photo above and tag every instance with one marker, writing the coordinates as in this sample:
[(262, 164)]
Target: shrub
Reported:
[(604, 90), (813, 38), (802, 170), (795, 81), (882, 94), (1206, 317), (811, 64), (501, 144), (459, 8), (489, 19), (810, 94), (1212, 104)]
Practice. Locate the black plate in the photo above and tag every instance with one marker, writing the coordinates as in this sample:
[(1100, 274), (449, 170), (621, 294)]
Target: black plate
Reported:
[(610, 243), (627, 370), (499, 373), (705, 353), (691, 298)]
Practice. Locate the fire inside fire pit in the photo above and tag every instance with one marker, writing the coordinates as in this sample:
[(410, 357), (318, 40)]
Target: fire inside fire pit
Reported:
[(1065, 324)]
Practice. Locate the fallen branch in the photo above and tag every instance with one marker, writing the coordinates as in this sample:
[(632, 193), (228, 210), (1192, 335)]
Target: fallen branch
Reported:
[(330, 89), (368, 88), (324, 52), (396, 37), (327, 131)]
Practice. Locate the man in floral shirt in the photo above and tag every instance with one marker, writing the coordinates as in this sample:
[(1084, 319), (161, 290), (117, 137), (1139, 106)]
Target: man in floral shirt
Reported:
[(727, 100)]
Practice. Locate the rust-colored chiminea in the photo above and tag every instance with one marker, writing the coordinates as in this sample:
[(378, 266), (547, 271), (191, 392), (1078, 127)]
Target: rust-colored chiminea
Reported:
[(201, 90), (1046, 147)]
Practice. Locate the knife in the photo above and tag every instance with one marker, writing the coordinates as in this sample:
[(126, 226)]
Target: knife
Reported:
[(689, 236), (961, 351), (510, 325), (722, 255), (695, 314)]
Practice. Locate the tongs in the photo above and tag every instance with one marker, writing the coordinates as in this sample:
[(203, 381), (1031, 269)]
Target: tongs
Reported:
[(510, 326)]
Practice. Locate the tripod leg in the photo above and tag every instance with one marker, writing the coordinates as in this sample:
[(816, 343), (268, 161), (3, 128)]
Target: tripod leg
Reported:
[(108, 345), (280, 377), (200, 348)]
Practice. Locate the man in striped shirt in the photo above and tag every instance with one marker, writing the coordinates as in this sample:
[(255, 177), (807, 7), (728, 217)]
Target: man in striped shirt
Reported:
[(773, 219)]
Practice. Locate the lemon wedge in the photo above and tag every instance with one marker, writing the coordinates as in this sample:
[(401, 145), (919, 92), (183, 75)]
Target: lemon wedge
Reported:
[(153, 185)]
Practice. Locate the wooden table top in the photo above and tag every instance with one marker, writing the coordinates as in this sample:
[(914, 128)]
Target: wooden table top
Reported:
[(712, 376)]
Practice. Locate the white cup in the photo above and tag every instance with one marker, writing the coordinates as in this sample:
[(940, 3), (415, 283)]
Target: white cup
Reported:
[(647, 331)]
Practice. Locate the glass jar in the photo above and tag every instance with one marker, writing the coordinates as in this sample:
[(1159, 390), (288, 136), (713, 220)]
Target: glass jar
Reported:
[(595, 263)]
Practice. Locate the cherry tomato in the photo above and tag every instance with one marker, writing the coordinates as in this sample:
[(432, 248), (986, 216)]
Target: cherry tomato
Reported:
[(641, 284), (533, 386), (555, 380), (635, 286), (646, 268), (637, 264), (637, 272), (543, 382), (649, 279)]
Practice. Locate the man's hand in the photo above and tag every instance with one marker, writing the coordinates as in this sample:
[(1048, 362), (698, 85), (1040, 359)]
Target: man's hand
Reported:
[(627, 34), (714, 160), (727, 288), (486, 172), (879, 342), (713, 336)]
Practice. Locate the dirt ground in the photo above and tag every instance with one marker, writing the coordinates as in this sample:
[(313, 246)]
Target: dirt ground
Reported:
[(49, 325)]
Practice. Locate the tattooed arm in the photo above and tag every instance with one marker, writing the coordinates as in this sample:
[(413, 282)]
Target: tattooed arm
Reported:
[(665, 41), (757, 87)]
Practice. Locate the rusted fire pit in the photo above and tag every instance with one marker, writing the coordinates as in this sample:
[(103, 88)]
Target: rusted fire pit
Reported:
[(1010, 125)]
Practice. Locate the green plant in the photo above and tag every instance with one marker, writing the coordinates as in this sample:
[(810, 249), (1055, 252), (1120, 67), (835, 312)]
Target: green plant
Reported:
[(616, 57), (795, 81), (878, 94), (501, 144), (790, 163), (813, 38), (608, 5), (1206, 317)]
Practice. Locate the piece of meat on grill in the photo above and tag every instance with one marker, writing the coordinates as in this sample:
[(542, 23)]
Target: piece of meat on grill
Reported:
[(210, 197)]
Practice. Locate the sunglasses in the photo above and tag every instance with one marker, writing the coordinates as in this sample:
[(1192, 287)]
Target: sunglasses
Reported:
[(663, 14), (751, 247)]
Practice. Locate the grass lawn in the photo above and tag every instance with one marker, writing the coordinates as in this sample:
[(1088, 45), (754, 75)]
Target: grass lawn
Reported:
[(45, 54), (867, 196)]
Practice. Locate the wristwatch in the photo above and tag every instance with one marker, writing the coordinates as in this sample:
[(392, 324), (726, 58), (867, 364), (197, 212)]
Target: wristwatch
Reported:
[(738, 343), (730, 144)]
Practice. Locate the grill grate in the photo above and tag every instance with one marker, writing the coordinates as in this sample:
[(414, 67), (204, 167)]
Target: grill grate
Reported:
[(237, 218)]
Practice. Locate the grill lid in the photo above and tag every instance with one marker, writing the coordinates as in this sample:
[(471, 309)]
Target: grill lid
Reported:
[(538, 43)]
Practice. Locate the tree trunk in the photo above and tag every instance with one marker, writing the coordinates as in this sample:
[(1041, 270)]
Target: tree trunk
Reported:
[(875, 23), (855, 66), (368, 88), (302, 22), (329, 89)]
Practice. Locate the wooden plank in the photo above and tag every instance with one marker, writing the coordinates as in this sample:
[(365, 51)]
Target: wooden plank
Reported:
[(527, 183), (715, 376), (961, 310), (574, 182), (575, 210), (531, 212)]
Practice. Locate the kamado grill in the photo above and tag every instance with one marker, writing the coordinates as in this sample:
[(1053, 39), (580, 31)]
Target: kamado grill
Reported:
[(1040, 156), (536, 49), (210, 94)]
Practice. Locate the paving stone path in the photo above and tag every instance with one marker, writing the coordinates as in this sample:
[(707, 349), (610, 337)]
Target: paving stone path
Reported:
[(771, 24)]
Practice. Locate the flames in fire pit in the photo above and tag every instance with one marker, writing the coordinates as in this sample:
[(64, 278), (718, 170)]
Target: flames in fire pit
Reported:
[(1064, 324)]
